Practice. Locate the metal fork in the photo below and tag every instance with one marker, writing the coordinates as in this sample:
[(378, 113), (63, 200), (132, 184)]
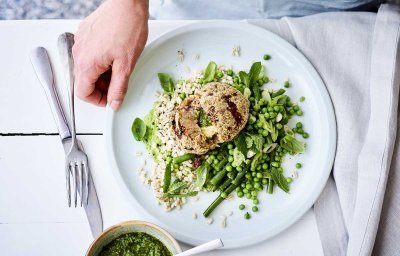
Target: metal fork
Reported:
[(76, 160)]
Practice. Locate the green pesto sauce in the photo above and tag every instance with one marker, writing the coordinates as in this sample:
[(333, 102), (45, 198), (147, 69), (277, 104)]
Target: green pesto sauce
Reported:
[(135, 244)]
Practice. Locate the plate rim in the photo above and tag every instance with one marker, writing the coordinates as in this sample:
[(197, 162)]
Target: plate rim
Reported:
[(331, 119)]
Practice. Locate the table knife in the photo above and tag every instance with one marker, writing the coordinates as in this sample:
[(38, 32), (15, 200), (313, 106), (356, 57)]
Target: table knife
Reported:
[(42, 66)]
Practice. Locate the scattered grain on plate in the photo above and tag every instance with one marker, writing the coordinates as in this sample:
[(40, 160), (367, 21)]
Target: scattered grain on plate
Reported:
[(223, 221), (139, 153), (295, 175), (181, 55), (194, 215), (210, 221), (195, 199), (230, 213), (230, 197), (236, 51), (197, 56), (187, 69)]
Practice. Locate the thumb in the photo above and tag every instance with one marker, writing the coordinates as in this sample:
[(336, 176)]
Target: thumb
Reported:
[(121, 71)]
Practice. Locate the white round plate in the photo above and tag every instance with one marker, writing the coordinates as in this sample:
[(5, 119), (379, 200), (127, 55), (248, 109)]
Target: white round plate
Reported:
[(213, 41)]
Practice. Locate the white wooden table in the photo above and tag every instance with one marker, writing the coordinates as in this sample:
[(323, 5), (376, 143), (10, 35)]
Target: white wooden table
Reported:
[(34, 217)]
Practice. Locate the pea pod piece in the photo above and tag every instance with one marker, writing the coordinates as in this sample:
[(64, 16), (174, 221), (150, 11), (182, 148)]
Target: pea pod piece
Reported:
[(167, 177), (183, 158)]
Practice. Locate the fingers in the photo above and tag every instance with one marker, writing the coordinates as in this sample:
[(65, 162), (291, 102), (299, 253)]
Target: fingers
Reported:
[(86, 84), (121, 70)]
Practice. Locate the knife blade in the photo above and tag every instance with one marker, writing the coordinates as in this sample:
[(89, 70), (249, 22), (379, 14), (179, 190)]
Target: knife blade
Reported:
[(42, 66)]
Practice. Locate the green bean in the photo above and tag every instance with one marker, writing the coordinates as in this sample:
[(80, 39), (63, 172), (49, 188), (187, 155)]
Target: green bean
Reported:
[(277, 93), (183, 158), (218, 178), (167, 177), (219, 199), (225, 184), (221, 164), (270, 186)]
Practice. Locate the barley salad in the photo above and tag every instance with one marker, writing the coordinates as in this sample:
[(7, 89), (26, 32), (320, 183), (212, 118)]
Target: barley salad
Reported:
[(247, 163)]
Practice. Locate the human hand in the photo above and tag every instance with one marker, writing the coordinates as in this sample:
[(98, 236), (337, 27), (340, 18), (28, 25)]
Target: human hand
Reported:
[(111, 38)]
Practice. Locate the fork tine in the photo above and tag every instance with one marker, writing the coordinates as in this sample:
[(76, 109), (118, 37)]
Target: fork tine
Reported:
[(75, 181), (80, 178), (86, 170), (68, 184)]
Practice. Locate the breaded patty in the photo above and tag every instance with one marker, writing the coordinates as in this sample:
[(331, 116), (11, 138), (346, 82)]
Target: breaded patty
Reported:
[(225, 107)]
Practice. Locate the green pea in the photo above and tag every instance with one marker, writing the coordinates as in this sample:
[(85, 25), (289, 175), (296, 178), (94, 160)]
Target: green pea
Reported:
[(242, 206), (291, 111), (266, 79), (247, 161), (265, 133), (248, 195), (256, 201), (280, 169), (223, 195), (254, 209), (279, 126), (298, 165), (299, 125), (248, 176), (289, 180), (276, 108), (264, 181), (254, 193), (257, 185), (240, 194), (215, 161), (239, 168), (299, 113), (247, 216), (259, 174), (266, 57), (230, 151), (229, 167), (249, 186), (176, 166), (305, 135), (286, 84), (230, 72), (275, 164), (296, 108), (302, 99)]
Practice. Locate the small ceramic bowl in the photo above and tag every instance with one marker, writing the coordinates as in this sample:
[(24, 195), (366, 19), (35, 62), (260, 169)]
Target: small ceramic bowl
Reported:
[(129, 227)]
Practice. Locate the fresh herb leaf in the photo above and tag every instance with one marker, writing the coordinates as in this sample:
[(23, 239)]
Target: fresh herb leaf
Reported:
[(258, 142), (238, 157), (166, 82), (255, 161), (202, 174), (270, 148), (167, 177), (138, 129), (256, 91), (244, 78), (209, 73), (177, 186), (291, 144), (271, 129), (241, 145), (249, 141), (280, 180), (262, 72), (204, 121), (254, 73)]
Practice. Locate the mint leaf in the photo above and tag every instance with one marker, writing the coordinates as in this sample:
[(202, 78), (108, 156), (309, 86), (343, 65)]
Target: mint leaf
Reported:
[(240, 143), (138, 129), (166, 82), (291, 144), (202, 174), (238, 157), (255, 161), (209, 73), (254, 73), (244, 78), (280, 180)]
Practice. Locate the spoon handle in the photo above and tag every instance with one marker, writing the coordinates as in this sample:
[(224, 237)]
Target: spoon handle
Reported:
[(209, 246)]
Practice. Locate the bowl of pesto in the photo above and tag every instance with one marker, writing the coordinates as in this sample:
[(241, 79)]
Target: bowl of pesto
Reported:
[(134, 238)]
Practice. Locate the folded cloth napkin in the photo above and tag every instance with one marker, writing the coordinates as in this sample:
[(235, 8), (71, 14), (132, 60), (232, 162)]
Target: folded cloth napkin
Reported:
[(357, 55)]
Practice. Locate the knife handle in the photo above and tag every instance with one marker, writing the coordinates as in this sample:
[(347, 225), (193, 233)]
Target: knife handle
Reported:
[(42, 66)]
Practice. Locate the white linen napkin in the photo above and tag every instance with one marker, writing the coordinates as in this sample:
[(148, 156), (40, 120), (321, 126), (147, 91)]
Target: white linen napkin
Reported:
[(357, 55)]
